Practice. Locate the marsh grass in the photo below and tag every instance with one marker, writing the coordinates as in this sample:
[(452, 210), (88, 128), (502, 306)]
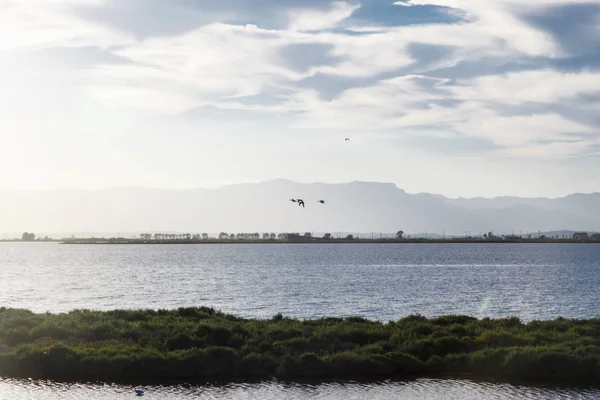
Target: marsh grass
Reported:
[(205, 344)]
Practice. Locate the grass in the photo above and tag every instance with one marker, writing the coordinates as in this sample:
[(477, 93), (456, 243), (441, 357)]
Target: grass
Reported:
[(205, 344)]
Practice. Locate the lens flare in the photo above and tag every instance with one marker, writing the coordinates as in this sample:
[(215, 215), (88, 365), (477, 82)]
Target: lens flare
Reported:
[(485, 304)]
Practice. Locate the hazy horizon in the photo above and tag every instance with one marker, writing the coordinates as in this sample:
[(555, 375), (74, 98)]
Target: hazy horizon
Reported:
[(466, 98), (357, 206), (216, 187)]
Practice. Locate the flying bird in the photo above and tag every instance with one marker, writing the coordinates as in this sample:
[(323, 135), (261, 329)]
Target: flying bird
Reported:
[(300, 202), (293, 200), (347, 139), (322, 201)]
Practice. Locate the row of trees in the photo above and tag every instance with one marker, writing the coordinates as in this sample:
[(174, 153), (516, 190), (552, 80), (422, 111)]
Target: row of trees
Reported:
[(237, 236), (173, 236), (204, 236), (251, 236)]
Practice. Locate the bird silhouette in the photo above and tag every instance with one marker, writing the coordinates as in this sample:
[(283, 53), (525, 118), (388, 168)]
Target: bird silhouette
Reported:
[(293, 200), (322, 201), (300, 202), (347, 139)]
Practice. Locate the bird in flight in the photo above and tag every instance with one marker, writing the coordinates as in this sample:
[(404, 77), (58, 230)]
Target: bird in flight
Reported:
[(293, 200), (347, 139), (322, 201), (300, 202)]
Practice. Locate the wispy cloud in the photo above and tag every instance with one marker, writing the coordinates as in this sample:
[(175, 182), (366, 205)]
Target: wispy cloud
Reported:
[(37, 24), (315, 20), (343, 65)]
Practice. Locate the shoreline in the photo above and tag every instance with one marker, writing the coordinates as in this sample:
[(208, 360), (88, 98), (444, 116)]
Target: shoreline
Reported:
[(200, 344), (320, 241)]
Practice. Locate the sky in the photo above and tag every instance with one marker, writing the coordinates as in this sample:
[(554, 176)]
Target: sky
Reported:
[(456, 97)]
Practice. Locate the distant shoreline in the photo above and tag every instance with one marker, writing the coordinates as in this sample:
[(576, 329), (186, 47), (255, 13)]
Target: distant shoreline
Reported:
[(321, 241), (133, 241), (32, 241)]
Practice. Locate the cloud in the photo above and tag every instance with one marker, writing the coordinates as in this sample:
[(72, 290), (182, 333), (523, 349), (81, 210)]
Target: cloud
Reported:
[(544, 86), (414, 103), (554, 150), (314, 20), (37, 24), (517, 131), (374, 107), (395, 77), (212, 63)]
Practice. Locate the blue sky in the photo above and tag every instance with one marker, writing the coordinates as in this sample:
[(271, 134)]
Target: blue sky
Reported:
[(458, 97)]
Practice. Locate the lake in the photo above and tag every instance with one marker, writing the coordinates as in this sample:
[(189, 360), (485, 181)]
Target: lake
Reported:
[(430, 389), (376, 281)]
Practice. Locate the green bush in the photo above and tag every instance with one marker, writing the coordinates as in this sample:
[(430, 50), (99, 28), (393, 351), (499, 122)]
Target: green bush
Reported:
[(202, 343)]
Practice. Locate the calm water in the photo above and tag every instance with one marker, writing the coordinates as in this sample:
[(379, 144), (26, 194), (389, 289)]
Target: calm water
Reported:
[(430, 389), (385, 282)]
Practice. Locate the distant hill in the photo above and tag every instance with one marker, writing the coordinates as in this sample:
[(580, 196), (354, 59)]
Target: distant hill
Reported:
[(260, 207)]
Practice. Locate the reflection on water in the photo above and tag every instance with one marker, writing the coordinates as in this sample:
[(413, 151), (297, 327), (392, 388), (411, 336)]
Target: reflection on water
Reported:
[(419, 389)]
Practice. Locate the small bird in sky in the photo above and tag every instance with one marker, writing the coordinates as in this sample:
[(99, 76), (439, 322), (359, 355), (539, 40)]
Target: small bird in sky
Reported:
[(347, 139), (322, 201), (300, 202)]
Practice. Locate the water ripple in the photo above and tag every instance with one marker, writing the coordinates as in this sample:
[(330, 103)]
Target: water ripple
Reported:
[(433, 389)]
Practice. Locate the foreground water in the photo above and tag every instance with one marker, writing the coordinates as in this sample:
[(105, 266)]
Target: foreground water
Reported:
[(385, 282), (431, 389)]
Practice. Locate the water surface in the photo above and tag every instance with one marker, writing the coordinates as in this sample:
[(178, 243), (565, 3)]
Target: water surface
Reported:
[(377, 281), (385, 282), (431, 389)]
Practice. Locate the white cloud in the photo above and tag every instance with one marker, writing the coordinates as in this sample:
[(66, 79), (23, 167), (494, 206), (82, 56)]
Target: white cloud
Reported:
[(479, 4), (544, 86), (44, 24), (516, 131), (406, 104), (209, 64), (365, 55), (314, 20), (499, 20), (552, 151), (378, 83), (374, 107), (223, 61)]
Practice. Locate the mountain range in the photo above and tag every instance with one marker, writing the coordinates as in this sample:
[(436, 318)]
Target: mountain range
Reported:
[(266, 207)]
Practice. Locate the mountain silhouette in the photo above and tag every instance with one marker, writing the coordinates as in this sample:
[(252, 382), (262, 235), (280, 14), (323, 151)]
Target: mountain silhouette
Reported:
[(261, 207)]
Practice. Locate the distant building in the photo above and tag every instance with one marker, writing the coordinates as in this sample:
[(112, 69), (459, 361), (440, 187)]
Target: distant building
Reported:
[(581, 236)]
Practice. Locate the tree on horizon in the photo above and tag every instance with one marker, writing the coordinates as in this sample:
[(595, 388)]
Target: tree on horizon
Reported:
[(28, 237)]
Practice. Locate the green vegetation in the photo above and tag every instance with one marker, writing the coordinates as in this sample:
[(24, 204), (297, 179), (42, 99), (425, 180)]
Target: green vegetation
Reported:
[(204, 344)]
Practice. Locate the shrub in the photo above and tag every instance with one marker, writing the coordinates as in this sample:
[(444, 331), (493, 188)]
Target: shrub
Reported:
[(204, 343)]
